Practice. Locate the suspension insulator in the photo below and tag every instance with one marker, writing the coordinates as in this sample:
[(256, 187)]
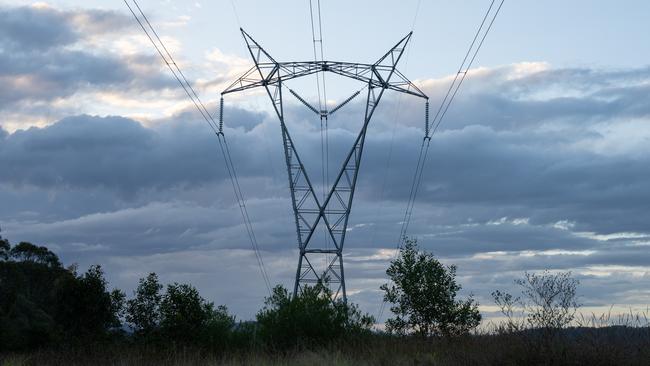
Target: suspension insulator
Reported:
[(426, 120), (320, 113), (345, 102), (221, 116)]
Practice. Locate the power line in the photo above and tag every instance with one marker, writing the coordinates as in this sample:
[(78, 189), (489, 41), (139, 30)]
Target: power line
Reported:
[(390, 149), (392, 137), (173, 71), (318, 57), (216, 128), (444, 107), (469, 64), (242, 207), (234, 9), (322, 105), (437, 120)]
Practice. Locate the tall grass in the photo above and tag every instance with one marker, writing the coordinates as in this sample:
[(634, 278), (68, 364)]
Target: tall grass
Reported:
[(606, 339)]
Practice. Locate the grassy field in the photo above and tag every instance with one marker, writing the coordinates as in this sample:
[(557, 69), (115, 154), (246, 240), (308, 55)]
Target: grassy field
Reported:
[(618, 345)]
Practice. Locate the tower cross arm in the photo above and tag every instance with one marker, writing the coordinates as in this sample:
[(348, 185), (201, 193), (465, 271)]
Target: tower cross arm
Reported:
[(266, 71), (271, 73)]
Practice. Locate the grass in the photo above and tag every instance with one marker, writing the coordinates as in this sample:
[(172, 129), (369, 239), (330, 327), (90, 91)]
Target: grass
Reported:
[(574, 346), (593, 340)]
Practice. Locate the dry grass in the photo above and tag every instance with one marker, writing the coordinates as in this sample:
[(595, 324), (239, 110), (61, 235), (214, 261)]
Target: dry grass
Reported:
[(595, 340)]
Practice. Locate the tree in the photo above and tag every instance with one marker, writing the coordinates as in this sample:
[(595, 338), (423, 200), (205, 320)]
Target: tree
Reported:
[(217, 329), (179, 314), (84, 306), (308, 319), (424, 296), (5, 247), (42, 303), (183, 312), (28, 252), (507, 306), (548, 299), (26, 295), (143, 311)]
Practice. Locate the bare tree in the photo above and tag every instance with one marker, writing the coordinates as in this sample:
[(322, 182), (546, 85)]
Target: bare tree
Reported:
[(507, 305), (548, 300)]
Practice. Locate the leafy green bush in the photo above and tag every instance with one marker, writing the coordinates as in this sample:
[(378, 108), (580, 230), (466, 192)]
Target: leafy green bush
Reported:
[(424, 296), (179, 315), (42, 303), (308, 319), (143, 311), (84, 307), (26, 298), (218, 330), (184, 313), (4, 248)]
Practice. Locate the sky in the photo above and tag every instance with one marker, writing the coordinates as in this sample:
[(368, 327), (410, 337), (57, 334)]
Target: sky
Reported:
[(541, 162)]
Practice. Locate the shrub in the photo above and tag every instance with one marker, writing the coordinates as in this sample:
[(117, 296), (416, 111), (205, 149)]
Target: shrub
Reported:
[(548, 300), (423, 294), (85, 309), (143, 311), (42, 303), (179, 315), (310, 318), (183, 313)]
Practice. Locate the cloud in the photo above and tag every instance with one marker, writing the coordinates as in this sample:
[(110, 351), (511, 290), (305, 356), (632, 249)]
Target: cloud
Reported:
[(41, 28), (84, 152), (35, 28), (534, 167), (49, 56)]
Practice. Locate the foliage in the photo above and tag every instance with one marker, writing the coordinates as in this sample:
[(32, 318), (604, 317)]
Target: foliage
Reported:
[(143, 311), (309, 318), (84, 307), (28, 252), (50, 315), (43, 303), (547, 299), (26, 299), (179, 315), (423, 293), (621, 346), (4, 248), (218, 330), (184, 313)]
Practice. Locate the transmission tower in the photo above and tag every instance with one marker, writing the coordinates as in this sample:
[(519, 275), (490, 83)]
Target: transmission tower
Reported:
[(332, 213)]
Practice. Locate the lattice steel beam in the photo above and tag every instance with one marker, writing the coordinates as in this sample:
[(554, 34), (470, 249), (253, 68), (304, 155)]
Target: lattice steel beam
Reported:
[(333, 213)]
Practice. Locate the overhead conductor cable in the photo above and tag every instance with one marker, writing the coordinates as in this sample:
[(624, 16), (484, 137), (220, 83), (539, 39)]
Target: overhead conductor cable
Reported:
[(437, 120), (217, 128)]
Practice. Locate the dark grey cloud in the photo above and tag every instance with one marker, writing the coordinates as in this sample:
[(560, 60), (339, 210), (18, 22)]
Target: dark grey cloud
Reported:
[(86, 152), (39, 63), (40, 28), (34, 28), (513, 98), (531, 170)]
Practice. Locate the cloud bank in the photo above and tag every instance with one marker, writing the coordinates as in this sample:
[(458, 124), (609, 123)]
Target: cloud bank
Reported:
[(534, 167)]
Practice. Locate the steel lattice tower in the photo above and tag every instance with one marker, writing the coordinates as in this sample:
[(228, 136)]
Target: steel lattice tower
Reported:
[(332, 213)]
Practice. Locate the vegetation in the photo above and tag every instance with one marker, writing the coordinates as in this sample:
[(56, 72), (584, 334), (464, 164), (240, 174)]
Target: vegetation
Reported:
[(424, 296), (42, 303), (179, 315), (548, 301), (309, 319), (51, 315)]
